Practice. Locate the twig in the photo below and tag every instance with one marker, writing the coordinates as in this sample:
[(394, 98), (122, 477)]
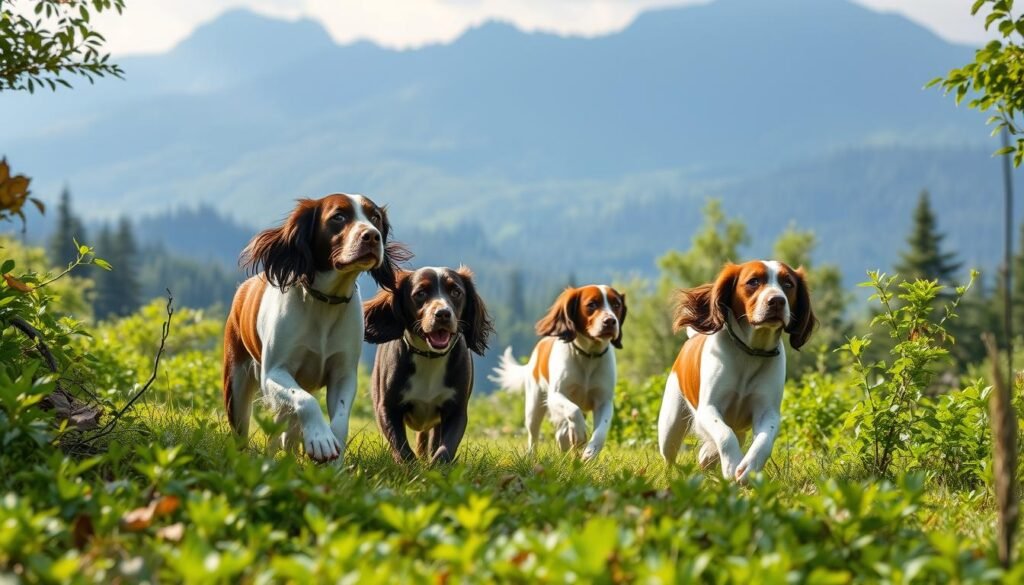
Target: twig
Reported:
[(37, 337), (1004, 455), (165, 331)]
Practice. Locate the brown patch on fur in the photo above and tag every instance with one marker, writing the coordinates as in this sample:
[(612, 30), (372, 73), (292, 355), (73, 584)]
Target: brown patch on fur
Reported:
[(687, 368), (241, 339), (540, 368)]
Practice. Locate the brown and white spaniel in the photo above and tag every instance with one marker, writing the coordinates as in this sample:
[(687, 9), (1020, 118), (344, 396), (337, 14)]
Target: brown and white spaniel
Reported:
[(297, 325), (572, 369), (423, 371), (730, 373)]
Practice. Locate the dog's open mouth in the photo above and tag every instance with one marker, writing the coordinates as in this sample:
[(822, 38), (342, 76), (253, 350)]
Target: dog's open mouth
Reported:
[(438, 339)]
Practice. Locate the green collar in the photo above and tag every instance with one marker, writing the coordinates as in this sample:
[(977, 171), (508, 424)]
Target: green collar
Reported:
[(589, 354), (326, 298)]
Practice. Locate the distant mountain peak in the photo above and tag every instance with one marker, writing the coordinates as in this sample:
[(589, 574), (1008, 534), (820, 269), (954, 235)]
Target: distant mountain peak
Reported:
[(243, 27)]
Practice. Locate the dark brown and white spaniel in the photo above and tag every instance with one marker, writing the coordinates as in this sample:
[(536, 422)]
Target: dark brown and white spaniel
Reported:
[(572, 369), (423, 372), (297, 325), (730, 373)]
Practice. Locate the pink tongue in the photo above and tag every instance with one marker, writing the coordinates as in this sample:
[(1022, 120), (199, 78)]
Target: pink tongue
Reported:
[(439, 339)]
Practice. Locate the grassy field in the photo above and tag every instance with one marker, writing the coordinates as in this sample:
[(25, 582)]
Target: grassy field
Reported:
[(169, 497), (222, 514)]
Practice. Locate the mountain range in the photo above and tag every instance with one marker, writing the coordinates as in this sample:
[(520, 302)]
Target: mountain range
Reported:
[(793, 112)]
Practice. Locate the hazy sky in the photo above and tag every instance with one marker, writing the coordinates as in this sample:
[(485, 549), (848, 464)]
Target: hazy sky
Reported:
[(156, 25)]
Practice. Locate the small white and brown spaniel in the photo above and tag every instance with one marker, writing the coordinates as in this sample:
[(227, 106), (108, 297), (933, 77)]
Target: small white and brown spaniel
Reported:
[(423, 371), (572, 369), (297, 325), (730, 373)]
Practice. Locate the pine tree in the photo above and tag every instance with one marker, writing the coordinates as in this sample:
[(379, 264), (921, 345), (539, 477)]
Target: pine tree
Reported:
[(925, 258), (104, 303), (68, 229), (516, 296), (117, 291), (128, 275)]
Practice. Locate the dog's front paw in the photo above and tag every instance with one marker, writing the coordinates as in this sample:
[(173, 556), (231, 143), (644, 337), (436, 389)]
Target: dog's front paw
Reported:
[(321, 445), (591, 452), (728, 468)]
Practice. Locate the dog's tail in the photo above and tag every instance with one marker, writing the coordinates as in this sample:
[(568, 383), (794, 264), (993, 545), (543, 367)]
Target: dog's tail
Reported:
[(510, 374)]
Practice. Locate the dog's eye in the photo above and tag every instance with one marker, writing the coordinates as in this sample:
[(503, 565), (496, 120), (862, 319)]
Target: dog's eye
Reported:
[(456, 293), (754, 282), (788, 284), (375, 218), (419, 295), (615, 304), (592, 306), (338, 217)]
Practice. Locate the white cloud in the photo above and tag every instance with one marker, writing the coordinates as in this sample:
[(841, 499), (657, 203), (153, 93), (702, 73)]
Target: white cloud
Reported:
[(149, 26), (950, 19)]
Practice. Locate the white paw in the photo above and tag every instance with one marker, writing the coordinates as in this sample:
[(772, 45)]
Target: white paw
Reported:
[(728, 468), (321, 445), (708, 455), (746, 469), (591, 452)]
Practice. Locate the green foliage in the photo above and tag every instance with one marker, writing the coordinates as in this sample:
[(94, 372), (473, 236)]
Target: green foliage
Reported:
[(56, 40), (124, 351), (29, 297), (891, 421), (636, 412), (996, 75)]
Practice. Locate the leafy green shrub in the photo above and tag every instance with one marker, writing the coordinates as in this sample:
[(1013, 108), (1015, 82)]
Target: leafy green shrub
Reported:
[(892, 421), (813, 410), (636, 411)]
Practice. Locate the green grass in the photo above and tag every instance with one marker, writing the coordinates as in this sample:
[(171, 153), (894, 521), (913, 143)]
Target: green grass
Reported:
[(497, 514)]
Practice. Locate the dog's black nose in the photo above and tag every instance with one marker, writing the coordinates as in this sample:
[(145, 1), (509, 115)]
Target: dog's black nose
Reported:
[(776, 302), (443, 314), (371, 236), (609, 321)]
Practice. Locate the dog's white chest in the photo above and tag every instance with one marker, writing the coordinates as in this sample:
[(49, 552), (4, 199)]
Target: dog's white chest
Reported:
[(425, 393)]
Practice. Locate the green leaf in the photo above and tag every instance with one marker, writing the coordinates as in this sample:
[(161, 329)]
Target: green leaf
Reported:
[(102, 263)]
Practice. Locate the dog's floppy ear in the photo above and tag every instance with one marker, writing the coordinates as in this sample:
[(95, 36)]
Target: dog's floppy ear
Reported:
[(704, 308), (475, 323), (285, 253), (560, 321), (384, 315), (617, 342), (395, 254), (802, 320)]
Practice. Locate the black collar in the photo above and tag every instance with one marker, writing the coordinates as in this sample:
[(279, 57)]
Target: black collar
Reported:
[(326, 298), (589, 354), (431, 355), (762, 353)]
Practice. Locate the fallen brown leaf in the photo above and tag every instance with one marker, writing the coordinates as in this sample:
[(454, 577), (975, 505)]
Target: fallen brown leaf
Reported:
[(17, 284)]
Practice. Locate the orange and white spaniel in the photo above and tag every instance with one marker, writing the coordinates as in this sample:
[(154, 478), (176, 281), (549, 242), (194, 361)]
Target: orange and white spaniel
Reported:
[(572, 369), (730, 373)]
